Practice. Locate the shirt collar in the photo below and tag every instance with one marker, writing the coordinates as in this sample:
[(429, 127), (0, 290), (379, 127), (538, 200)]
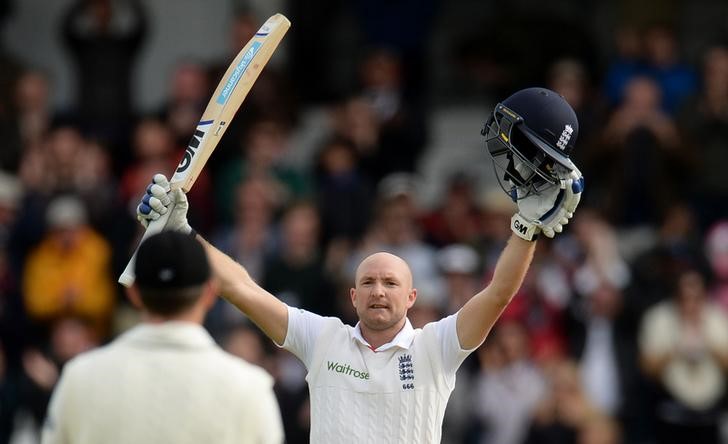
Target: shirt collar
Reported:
[(403, 339), (170, 333)]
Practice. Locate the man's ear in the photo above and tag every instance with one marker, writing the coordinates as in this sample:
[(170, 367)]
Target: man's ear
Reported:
[(209, 293), (352, 296), (132, 293), (411, 298)]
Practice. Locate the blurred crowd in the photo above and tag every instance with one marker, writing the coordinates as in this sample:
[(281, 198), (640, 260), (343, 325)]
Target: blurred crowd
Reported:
[(620, 333)]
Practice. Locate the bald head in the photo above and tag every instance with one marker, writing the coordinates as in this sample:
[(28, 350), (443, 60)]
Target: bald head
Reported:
[(385, 262)]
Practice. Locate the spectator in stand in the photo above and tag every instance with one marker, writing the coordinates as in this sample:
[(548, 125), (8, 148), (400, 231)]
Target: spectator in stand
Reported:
[(104, 38), (509, 387), (677, 79), (677, 245), (262, 156), (245, 342), (12, 315), (33, 105), (410, 24), (495, 209), (705, 120), (12, 67), (63, 151), (653, 52), (457, 219), (11, 194), (564, 410), (683, 350), (632, 192), (30, 121), (354, 118), (189, 92), (461, 270), (69, 273), (250, 240), (401, 120), (343, 195), (626, 63), (67, 162), (601, 331), (541, 305), (569, 77), (8, 396), (154, 151), (716, 247), (600, 429), (295, 273), (42, 364)]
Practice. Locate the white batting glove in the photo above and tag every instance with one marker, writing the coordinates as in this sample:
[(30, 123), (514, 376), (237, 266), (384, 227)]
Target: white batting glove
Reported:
[(548, 211), (158, 200)]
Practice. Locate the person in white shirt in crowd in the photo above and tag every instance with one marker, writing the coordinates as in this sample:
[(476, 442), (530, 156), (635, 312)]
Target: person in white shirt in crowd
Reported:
[(509, 387), (382, 380), (682, 343), (165, 380)]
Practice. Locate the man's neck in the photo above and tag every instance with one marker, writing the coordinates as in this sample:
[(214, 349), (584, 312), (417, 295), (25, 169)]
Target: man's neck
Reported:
[(377, 338), (190, 316)]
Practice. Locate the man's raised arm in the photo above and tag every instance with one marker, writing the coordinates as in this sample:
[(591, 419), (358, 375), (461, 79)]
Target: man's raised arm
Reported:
[(547, 213), (478, 315), (238, 288), (236, 285)]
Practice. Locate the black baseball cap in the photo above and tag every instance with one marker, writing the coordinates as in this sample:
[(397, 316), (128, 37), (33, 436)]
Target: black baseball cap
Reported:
[(549, 122), (171, 260)]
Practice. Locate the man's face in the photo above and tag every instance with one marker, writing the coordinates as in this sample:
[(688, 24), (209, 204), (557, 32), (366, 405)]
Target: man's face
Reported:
[(383, 292)]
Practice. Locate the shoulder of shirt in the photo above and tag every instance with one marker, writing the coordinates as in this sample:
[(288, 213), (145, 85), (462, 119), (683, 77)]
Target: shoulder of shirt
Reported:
[(230, 366), (87, 359), (244, 370), (329, 320)]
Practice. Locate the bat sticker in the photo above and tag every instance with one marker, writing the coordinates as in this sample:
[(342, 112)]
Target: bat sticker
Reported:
[(238, 72)]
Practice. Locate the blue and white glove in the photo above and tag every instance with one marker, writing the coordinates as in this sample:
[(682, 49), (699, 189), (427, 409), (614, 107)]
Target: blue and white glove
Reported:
[(158, 200), (548, 211)]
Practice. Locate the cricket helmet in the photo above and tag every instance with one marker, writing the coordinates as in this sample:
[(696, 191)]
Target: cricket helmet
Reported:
[(529, 137)]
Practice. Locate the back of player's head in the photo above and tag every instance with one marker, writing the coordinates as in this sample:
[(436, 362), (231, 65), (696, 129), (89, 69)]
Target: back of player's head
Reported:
[(171, 269)]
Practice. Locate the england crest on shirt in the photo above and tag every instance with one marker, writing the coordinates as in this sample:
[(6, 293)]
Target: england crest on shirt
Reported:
[(406, 372)]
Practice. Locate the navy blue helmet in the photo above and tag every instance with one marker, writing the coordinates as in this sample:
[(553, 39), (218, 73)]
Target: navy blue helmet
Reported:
[(529, 137)]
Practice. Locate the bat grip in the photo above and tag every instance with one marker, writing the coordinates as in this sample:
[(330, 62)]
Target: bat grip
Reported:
[(156, 226)]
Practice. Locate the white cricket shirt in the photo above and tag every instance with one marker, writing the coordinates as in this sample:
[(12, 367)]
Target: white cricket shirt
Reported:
[(163, 383), (396, 394)]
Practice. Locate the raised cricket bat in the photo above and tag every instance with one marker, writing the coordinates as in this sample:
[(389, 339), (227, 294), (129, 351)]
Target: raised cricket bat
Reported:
[(229, 94)]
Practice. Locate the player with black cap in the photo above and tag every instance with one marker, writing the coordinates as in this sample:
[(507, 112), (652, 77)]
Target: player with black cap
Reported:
[(165, 380)]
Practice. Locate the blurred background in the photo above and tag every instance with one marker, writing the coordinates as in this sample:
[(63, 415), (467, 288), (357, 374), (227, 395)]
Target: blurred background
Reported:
[(363, 134)]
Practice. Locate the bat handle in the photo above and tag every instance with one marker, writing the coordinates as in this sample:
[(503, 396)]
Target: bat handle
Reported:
[(156, 226)]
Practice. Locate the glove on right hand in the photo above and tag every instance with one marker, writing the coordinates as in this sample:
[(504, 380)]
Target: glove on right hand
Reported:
[(158, 200)]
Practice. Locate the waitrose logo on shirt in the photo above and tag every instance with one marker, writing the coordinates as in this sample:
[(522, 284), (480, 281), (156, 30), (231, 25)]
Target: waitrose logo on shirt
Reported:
[(346, 370)]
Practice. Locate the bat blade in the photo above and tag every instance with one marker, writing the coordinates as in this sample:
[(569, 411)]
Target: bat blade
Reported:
[(230, 93)]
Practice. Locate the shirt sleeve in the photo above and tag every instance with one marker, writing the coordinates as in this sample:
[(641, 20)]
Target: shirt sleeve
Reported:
[(304, 329), (453, 355)]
